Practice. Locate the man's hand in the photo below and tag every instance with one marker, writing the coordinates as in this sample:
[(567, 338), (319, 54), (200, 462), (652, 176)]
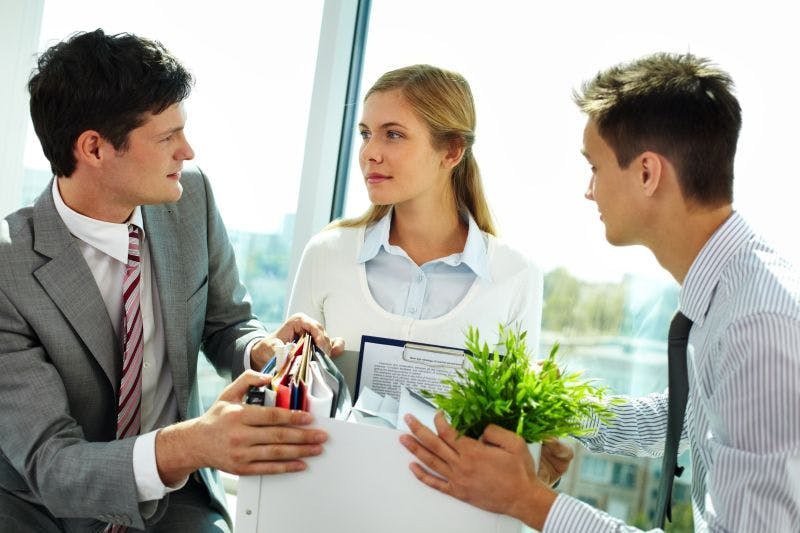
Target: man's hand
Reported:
[(238, 438), (295, 326), (555, 459), (495, 473)]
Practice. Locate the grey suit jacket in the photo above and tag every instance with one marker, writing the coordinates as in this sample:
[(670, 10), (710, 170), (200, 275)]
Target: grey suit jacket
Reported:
[(60, 361)]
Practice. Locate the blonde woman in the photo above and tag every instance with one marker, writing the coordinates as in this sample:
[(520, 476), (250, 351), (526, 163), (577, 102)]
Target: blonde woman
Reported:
[(423, 263)]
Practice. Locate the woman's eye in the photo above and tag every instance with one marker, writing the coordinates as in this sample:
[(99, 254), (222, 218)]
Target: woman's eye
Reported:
[(364, 134), (393, 135)]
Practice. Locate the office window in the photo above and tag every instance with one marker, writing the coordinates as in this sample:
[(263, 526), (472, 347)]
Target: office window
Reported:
[(595, 469), (608, 307), (623, 475), (247, 118)]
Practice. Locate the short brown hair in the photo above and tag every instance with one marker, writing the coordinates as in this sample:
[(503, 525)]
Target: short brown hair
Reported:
[(100, 82), (678, 105)]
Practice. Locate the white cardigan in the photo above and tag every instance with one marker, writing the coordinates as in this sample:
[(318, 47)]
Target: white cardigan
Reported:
[(331, 287)]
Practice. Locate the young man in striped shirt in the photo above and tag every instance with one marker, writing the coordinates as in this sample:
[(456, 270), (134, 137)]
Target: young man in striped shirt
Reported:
[(661, 138)]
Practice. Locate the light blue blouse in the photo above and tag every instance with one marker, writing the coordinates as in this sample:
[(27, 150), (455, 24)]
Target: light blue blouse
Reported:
[(423, 292)]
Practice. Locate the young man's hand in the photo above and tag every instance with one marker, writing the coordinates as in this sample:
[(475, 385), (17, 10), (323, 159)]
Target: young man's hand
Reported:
[(555, 459), (495, 473), (238, 438)]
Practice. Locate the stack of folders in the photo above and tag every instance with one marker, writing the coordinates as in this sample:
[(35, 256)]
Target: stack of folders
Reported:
[(306, 379)]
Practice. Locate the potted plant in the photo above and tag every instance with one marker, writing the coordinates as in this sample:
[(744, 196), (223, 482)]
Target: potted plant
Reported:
[(535, 400)]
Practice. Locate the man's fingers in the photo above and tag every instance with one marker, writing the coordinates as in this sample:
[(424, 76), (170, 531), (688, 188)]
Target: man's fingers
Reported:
[(284, 435), (272, 467), (236, 390), (429, 439), (280, 452), (557, 450), (258, 415), (503, 438), (445, 430), (429, 479), (555, 459), (431, 460)]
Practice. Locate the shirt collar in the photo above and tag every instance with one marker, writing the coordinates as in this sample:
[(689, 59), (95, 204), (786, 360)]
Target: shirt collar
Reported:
[(108, 237), (475, 254), (704, 274), (375, 237)]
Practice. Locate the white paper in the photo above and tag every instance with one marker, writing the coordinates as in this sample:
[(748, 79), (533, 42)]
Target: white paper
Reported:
[(372, 404), (320, 395), (423, 412), (385, 368)]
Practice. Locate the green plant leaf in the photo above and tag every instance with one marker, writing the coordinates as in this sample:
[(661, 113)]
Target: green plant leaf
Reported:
[(508, 390)]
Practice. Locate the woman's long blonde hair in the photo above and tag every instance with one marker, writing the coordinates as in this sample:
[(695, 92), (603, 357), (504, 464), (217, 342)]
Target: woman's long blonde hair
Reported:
[(443, 100)]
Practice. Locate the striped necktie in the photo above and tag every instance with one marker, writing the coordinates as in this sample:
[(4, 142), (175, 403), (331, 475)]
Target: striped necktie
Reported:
[(678, 395), (130, 388)]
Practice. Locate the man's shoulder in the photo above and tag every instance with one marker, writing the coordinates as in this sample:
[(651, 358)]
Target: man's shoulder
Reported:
[(16, 231), (16, 245), (761, 280)]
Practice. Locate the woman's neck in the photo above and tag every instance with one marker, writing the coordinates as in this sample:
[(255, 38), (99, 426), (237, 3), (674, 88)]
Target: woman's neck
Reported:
[(426, 232)]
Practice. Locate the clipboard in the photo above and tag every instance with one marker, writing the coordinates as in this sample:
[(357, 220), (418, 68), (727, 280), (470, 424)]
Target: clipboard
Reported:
[(385, 365)]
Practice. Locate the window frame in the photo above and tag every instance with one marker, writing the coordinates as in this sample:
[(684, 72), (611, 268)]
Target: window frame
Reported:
[(332, 117)]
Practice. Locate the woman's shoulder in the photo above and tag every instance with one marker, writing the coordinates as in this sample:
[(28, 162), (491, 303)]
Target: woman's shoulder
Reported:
[(506, 260), (336, 238)]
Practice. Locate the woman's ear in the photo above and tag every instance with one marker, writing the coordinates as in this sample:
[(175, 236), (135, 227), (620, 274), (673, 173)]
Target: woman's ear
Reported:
[(453, 155)]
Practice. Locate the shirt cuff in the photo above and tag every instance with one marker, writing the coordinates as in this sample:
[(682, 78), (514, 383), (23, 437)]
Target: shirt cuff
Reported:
[(569, 514), (145, 471), (247, 350)]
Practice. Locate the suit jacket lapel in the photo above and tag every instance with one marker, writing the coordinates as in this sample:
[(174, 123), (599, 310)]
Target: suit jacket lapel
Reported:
[(68, 281), (161, 227)]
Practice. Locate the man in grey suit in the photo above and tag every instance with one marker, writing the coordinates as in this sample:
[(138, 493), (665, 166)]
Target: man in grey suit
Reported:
[(110, 285)]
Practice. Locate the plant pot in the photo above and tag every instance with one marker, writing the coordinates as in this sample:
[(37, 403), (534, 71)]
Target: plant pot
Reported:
[(535, 449)]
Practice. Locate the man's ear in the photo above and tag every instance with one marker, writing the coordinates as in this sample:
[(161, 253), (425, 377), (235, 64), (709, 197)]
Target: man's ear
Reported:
[(453, 155), (90, 148), (651, 166)]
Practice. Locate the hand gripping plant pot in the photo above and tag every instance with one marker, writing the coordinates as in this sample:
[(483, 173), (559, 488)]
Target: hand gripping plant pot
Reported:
[(536, 401)]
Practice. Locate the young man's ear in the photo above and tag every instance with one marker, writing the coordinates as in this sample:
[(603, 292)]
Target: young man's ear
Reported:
[(90, 147), (652, 168)]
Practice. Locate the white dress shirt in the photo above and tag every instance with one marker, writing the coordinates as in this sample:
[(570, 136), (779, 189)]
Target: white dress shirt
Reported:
[(743, 413), (104, 245)]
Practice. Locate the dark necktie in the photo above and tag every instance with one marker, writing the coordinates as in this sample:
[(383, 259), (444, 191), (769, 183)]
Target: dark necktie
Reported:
[(678, 394)]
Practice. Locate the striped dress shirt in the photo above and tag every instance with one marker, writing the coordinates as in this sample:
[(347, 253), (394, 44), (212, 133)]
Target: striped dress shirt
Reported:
[(743, 416)]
